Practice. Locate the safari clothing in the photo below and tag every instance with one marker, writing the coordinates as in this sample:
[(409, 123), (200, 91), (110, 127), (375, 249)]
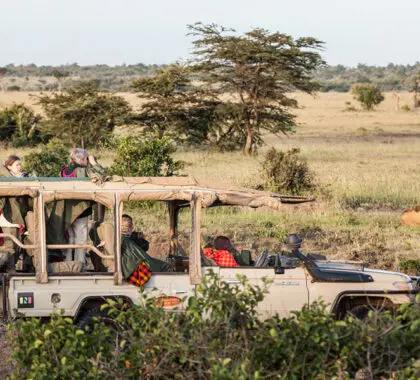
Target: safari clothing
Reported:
[(78, 234), (132, 256), (64, 213), (14, 210), (142, 243), (156, 265)]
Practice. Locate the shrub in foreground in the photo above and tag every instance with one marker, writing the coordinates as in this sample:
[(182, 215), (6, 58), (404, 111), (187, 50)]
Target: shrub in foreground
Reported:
[(228, 343)]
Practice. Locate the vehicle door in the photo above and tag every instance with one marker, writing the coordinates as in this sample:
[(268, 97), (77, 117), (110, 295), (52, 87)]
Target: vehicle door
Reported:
[(287, 290)]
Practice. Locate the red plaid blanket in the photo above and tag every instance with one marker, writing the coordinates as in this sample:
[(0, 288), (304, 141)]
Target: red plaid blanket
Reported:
[(221, 257), (140, 275)]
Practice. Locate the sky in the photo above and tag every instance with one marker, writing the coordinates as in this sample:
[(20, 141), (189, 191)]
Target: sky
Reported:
[(113, 32)]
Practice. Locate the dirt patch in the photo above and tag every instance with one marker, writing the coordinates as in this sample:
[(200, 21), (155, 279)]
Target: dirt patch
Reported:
[(5, 367)]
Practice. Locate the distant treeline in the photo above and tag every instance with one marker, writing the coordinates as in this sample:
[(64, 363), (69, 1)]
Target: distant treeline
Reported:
[(331, 78), (48, 78), (341, 78)]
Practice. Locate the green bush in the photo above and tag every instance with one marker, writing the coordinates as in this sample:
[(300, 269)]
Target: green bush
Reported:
[(144, 157), (287, 172), (367, 94), (49, 161), (218, 337), (19, 125), (410, 266)]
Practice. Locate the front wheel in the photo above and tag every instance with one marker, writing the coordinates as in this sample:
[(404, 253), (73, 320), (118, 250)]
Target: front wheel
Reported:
[(362, 311)]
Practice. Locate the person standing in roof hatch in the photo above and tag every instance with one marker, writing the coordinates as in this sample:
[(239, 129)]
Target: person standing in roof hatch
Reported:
[(71, 216), (82, 165)]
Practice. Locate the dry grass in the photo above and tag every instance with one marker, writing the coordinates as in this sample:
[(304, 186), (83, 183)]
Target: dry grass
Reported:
[(365, 162)]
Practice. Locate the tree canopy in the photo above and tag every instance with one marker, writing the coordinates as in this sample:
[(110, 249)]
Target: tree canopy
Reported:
[(257, 70), (174, 107), (83, 114), (20, 125)]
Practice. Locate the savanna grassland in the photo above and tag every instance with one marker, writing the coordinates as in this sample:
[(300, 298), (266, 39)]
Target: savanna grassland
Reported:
[(366, 165)]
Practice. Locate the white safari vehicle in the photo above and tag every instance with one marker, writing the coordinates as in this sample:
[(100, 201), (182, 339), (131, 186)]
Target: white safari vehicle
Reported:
[(297, 279)]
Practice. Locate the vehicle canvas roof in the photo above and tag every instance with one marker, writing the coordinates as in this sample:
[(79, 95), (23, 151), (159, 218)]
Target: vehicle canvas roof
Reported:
[(146, 188)]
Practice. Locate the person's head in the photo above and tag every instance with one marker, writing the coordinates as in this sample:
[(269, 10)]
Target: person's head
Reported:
[(222, 243), (127, 226), (13, 164), (79, 157)]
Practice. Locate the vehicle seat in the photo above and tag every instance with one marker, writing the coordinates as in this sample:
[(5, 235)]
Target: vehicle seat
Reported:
[(103, 232), (65, 267), (245, 258), (263, 260)]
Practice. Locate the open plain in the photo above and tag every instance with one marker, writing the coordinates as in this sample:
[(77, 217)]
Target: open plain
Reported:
[(366, 165)]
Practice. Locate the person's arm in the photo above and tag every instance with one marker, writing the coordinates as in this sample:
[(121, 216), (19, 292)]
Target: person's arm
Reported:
[(95, 171), (92, 161), (94, 168), (139, 239)]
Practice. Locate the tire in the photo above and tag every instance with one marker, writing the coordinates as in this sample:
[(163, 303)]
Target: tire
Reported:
[(93, 316), (362, 311)]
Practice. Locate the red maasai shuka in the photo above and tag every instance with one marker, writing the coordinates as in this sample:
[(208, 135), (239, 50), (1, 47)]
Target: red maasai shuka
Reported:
[(140, 275), (221, 257)]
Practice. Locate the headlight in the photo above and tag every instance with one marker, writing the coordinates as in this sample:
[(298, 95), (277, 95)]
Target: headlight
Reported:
[(403, 285)]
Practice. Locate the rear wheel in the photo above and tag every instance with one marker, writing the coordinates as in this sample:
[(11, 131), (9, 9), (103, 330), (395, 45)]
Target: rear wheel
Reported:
[(93, 316)]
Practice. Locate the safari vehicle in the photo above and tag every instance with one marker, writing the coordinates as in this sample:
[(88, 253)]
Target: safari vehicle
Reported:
[(297, 279)]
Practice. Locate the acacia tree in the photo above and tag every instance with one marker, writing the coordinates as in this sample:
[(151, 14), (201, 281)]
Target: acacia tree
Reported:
[(83, 115), (173, 106), (258, 70)]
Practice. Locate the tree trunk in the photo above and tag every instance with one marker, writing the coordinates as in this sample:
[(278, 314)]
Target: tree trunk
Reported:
[(248, 143), (414, 99)]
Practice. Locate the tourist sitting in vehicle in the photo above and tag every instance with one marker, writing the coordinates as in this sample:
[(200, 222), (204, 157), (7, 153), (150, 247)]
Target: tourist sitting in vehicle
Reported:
[(13, 211), (220, 252), (138, 238), (134, 262), (134, 265)]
